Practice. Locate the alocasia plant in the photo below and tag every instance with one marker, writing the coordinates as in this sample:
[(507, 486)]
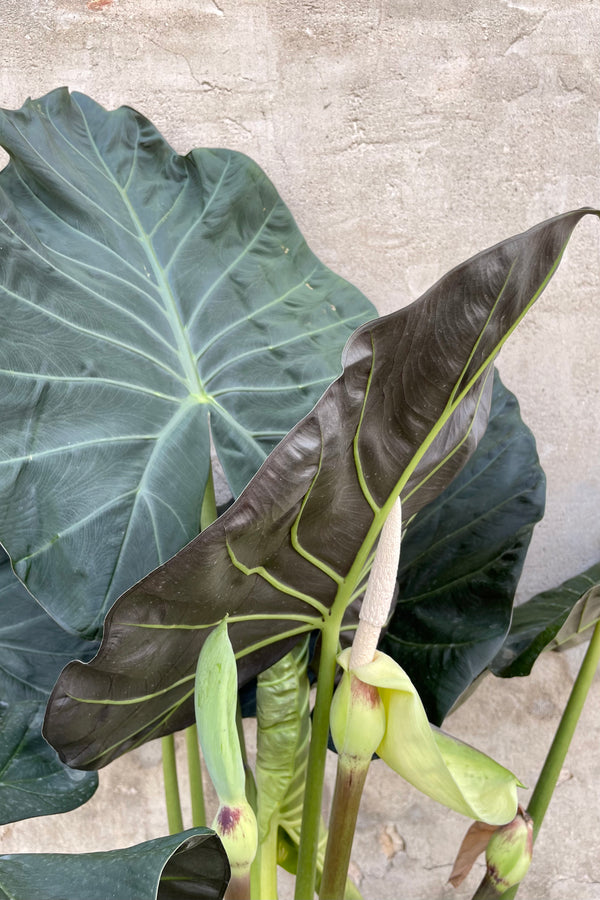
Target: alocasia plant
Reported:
[(293, 551), (155, 302)]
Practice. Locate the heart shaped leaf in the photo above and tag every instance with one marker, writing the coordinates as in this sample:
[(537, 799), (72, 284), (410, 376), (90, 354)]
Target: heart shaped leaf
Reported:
[(294, 549), (550, 620), (461, 560), (192, 864), (145, 297)]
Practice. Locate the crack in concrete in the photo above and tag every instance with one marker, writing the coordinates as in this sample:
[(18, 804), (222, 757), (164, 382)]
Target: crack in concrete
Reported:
[(204, 84), (239, 125)]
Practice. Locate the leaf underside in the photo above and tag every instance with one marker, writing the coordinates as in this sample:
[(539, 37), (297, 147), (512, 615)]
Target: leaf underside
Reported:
[(146, 299), (461, 560), (550, 620), (404, 416)]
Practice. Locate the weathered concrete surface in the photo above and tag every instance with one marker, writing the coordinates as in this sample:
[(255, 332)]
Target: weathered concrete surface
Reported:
[(404, 136)]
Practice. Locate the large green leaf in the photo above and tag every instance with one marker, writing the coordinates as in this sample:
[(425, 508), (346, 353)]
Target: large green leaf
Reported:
[(294, 549), (548, 621), (33, 781), (192, 864), (461, 560), (144, 296), (33, 650)]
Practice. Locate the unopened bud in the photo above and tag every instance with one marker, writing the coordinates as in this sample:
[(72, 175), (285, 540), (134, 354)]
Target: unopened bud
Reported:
[(236, 826), (508, 853), (357, 718)]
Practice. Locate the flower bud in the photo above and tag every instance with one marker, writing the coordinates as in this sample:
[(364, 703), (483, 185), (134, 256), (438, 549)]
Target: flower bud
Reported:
[(236, 826), (508, 853), (357, 718), (216, 702)]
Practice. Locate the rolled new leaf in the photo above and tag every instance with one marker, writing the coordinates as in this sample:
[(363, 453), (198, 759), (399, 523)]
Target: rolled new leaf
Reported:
[(444, 768), (283, 735), (216, 704)]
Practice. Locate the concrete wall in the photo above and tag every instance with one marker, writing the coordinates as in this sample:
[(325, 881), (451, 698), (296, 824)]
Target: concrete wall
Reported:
[(405, 135)]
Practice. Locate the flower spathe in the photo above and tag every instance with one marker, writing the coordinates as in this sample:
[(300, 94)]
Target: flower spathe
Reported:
[(444, 768)]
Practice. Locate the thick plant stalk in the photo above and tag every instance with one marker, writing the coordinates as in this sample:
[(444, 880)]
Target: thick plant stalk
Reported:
[(357, 713), (349, 785), (263, 874), (546, 783), (311, 812), (173, 803)]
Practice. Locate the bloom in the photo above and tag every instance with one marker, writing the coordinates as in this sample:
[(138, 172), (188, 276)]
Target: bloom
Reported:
[(444, 768)]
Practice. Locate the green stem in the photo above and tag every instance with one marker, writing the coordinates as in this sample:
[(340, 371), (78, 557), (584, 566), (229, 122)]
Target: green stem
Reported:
[(174, 817), (263, 876), (311, 812), (195, 774), (349, 784), (546, 783)]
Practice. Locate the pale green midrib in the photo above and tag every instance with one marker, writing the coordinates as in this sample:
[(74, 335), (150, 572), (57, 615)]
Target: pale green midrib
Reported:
[(92, 333), (345, 590), (182, 411), (184, 349), (355, 448)]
